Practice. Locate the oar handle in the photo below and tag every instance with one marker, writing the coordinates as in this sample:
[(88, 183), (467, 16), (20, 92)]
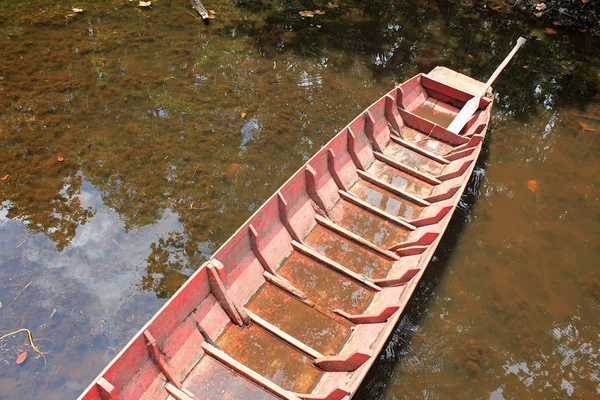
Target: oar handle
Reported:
[(520, 42)]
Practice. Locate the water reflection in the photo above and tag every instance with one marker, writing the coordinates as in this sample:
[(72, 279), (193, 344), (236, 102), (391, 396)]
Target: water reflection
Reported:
[(160, 167)]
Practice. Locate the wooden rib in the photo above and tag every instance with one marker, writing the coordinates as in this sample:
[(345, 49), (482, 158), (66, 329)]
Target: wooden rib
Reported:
[(159, 360), (411, 250), (434, 219), (401, 280), (246, 372), (218, 290), (331, 166), (355, 238), (457, 172), (347, 363), (370, 318), (473, 142), (443, 196), (390, 108), (336, 393), (292, 341), (392, 189), (460, 154), (285, 218), (374, 210), (370, 130), (311, 188), (106, 389), (419, 150), (361, 279), (200, 329), (254, 245), (424, 240), (352, 150), (178, 394), (403, 168)]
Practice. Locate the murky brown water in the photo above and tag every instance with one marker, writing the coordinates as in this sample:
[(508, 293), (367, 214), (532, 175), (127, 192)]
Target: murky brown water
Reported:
[(172, 133)]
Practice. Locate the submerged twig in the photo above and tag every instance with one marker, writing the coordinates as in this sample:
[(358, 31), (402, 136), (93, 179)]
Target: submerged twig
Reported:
[(31, 341), (21, 291)]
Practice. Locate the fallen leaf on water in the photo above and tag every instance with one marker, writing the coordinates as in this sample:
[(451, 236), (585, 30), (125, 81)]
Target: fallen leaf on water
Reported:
[(550, 31), (233, 168), (242, 114), (60, 159), (308, 14), (532, 185), (331, 5), (5, 177), (319, 12), (22, 357), (584, 125)]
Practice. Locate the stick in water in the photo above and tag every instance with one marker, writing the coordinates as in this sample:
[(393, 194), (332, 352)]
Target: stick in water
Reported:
[(472, 105)]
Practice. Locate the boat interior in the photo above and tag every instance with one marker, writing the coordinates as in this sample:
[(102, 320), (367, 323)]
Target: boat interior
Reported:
[(299, 302)]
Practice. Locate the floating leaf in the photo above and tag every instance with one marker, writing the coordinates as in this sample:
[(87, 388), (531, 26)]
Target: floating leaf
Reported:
[(22, 357), (532, 185), (5, 177), (242, 114), (550, 31), (319, 12), (584, 125), (60, 159), (308, 14), (232, 168), (331, 5)]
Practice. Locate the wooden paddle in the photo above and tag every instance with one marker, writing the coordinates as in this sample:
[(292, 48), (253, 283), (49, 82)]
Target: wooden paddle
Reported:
[(472, 105)]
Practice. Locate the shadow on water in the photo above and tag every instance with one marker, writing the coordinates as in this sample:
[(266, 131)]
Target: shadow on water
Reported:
[(398, 346)]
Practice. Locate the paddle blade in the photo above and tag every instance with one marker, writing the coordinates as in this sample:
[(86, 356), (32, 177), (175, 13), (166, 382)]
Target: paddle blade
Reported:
[(464, 115)]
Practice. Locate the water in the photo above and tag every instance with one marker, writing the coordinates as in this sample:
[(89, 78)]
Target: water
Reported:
[(172, 133)]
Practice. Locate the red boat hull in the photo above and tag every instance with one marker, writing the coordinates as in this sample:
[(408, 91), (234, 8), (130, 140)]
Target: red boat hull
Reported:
[(301, 299)]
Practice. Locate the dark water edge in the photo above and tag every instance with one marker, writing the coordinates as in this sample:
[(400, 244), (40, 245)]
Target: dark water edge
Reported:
[(172, 133)]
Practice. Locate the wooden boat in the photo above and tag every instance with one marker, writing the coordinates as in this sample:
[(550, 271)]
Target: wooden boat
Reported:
[(298, 303)]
